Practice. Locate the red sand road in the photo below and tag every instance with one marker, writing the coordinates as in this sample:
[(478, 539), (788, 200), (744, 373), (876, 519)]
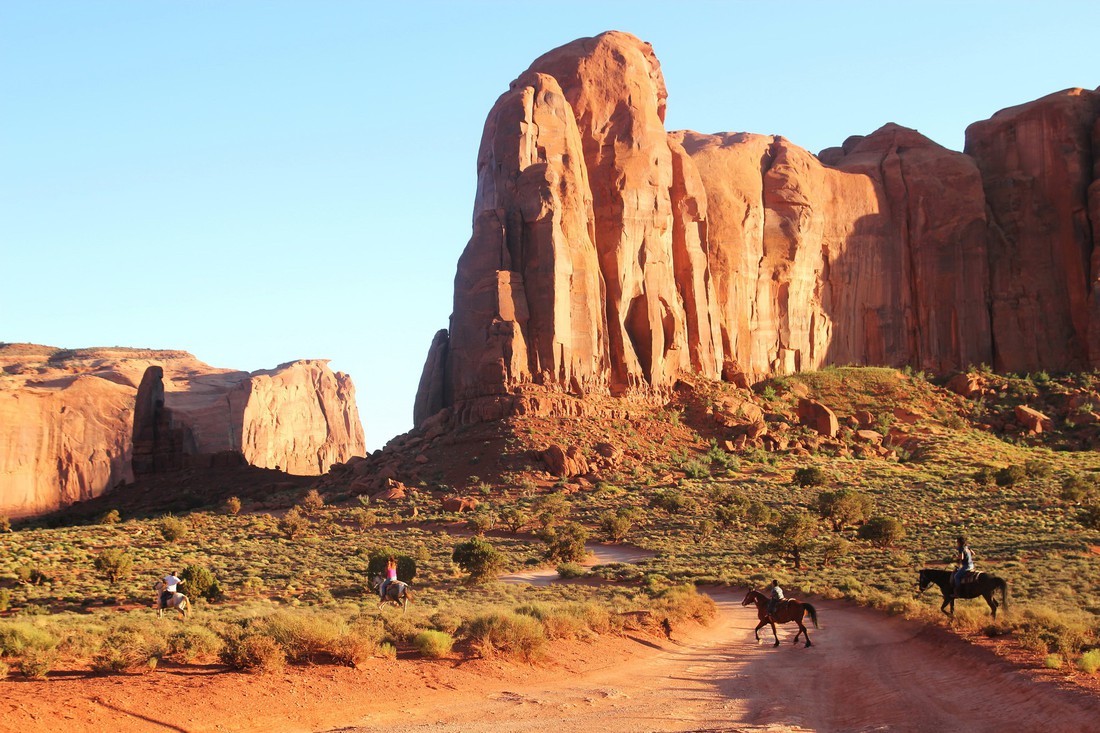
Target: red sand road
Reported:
[(865, 672)]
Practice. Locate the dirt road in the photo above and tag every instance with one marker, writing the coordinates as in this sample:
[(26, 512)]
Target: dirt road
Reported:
[(865, 672)]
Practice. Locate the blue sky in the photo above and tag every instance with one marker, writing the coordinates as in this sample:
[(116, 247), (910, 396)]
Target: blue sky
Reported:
[(257, 182)]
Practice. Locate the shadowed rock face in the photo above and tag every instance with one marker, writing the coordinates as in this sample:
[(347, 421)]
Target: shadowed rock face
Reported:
[(608, 256), (72, 423)]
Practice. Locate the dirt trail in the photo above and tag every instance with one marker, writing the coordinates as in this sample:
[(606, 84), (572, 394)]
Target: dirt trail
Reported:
[(865, 672)]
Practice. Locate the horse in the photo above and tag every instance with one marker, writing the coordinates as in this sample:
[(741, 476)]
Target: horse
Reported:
[(177, 601), (397, 593), (787, 611), (973, 585)]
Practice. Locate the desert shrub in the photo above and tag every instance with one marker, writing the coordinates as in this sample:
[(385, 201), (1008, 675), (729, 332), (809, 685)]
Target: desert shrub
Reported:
[(844, 507), (233, 506), (792, 535), (833, 549), (615, 526), (4, 670), (433, 644), (1077, 488), (808, 476), (696, 469), (1089, 516), (1044, 630), (35, 664), (882, 531), (28, 574), (480, 522), (565, 543), (18, 637), (172, 528), (757, 513), (364, 518), (114, 564), (5, 523), (985, 476), (111, 517), (193, 642), (569, 570), (254, 653), (1010, 475), (728, 515), (514, 519), (200, 583), (129, 649), (507, 634), (304, 637), (376, 563), (1037, 469), (551, 509), (312, 502), (478, 559), (293, 523), (5, 599), (684, 603), (1053, 661), (673, 502), (1089, 661)]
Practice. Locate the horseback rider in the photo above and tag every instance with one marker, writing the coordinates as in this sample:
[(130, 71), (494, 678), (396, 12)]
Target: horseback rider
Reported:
[(170, 582), (964, 560), (777, 597), (391, 577)]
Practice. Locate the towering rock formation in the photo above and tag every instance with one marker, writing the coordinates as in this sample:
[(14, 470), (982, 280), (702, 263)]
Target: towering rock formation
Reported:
[(72, 422), (608, 256)]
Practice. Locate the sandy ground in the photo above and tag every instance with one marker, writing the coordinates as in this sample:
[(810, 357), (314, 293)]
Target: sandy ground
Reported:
[(865, 672)]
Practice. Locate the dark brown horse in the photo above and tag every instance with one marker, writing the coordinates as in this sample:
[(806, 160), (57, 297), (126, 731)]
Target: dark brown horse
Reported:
[(972, 586), (787, 611)]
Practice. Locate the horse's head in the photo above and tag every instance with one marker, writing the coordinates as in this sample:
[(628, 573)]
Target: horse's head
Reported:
[(749, 598), (377, 581), (924, 580)]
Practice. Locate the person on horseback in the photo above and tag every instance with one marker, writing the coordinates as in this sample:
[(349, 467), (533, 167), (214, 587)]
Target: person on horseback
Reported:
[(170, 582), (777, 597), (964, 559), (391, 576)]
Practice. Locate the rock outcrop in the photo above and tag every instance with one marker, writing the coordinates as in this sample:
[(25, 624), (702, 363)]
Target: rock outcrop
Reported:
[(609, 256), (73, 424)]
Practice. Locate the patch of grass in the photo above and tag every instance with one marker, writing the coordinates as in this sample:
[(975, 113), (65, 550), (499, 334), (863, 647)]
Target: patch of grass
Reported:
[(507, 634), (433, 644)]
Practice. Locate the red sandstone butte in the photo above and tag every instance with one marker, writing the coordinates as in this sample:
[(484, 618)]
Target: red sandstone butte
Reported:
[(609, 256), (67, 419)]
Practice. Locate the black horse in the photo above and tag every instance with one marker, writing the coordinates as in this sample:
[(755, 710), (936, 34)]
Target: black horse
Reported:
[(973, 585)]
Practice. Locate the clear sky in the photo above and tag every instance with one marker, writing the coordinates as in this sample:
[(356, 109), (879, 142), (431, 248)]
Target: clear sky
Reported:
[(257, 182)]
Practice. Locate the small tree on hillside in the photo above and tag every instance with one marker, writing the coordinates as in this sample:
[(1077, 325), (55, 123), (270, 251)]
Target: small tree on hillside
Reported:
[(114, 564), (566, 543), (477, 558), (792, 535), (200, 583), (172, 528), (313, 502), (845, 507), (882, 531), (293, 523)]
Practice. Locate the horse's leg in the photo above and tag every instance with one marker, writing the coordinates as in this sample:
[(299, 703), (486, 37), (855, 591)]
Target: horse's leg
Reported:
[(805, 631), (946, 600), (992, 603), (759, 626), (776, 635)]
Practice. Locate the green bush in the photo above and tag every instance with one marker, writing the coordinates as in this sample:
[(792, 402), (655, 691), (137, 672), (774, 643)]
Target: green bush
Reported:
[(478, 559), (1037, 469), (303, 636), (985, 476), (114, 564), (882, 531), (364, 518), (5, 599), (844, 507), (293, 523), (1077, 488), (5, 523), (129, 649), (507, 634), (834, 549), (18, 637), (514, 519), (1089, 516), (111, 517), (233, 506), (1010, 476), (313, 502), (480, 522), (1053, 661), (696, 469), (792, 535), (433, 644), (172, 528), (198, 582), (254, 653), (808, 476), (568, 570), (615, 526), (35, 664), (194, 642), (1089, 661), (566, 543), (376, 564)]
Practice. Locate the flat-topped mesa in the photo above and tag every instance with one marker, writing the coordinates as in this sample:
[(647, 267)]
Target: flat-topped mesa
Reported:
[(73, 424), (574, 277), (609, 256)]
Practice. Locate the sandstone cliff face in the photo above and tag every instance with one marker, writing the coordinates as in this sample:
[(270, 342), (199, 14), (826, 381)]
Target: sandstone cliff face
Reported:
[(609, 256), (71, 423)]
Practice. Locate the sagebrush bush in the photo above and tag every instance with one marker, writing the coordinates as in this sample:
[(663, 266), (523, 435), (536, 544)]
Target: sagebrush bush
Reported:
[(684, 603), (17, 637), (566, 543), (1089, 661), (507, 634), (172, 528), (233, 506), (114, 564), (129, 649), (35, 664), (194, 642), (433, 644), (478, 559), (1053, 661), (313, 502), (882, 531), (111, 517), (199, 582), (292, 523), (254, 653), (1044, 630), (808, 476), (5, 523), (568, 570), (304, 637)]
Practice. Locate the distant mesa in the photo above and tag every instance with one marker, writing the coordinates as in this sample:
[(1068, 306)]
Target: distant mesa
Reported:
[(609, 256), (74, 423)]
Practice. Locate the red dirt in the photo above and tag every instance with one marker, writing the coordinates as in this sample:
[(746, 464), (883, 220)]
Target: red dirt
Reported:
[(866, 671)]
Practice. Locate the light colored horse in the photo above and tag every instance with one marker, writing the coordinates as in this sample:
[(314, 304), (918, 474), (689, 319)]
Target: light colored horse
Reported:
[(177, 601), (397, 593)]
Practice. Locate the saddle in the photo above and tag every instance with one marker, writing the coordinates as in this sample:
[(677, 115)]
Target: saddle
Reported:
[(970, 576)]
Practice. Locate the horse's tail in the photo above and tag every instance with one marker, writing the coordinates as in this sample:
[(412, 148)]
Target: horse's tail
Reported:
[(813, 613), (408, 594)]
